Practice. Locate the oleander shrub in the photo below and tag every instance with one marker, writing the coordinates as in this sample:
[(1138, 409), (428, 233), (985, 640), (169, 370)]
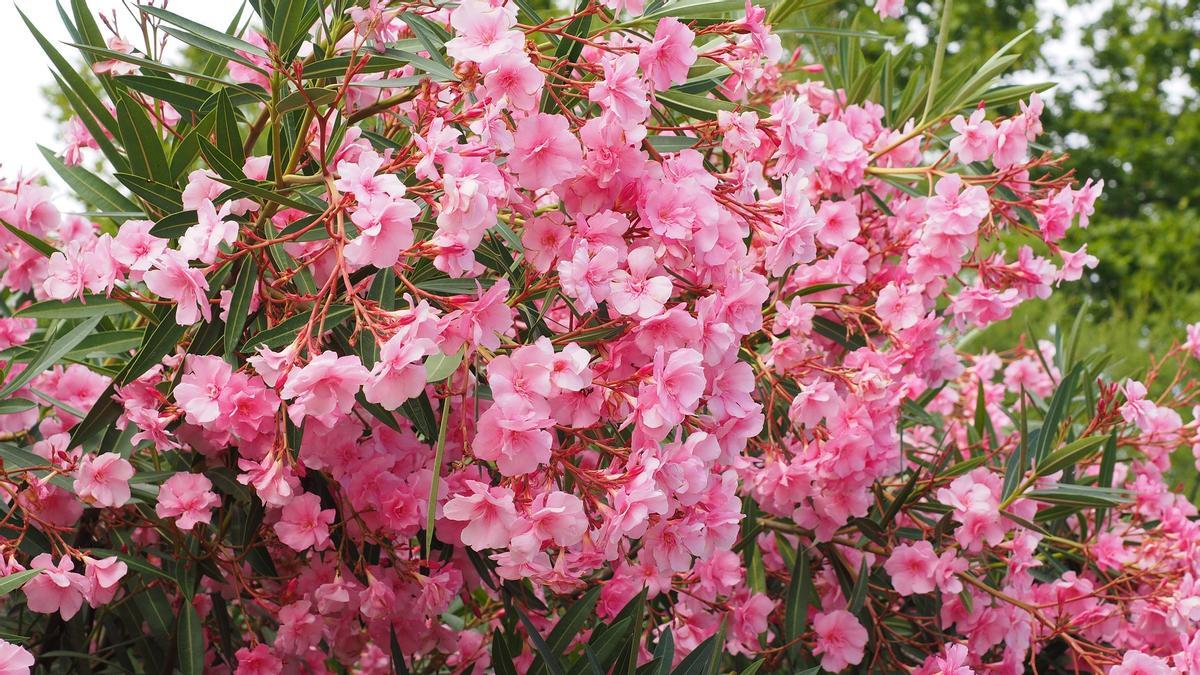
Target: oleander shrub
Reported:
[(402, 337)]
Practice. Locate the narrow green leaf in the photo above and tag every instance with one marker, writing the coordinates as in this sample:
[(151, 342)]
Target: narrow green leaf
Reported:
[(239, 304), (54, 350), (89, 187), (13, 582), (190, 640)]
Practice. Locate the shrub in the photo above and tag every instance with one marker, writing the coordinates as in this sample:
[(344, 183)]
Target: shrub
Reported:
[(411, 338)]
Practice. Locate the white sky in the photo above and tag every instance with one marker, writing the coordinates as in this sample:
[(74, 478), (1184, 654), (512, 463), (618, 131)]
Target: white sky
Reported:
[(24, 115)]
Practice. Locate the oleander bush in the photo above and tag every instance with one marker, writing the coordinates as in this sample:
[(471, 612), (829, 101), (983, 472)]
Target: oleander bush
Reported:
[(400, 337)]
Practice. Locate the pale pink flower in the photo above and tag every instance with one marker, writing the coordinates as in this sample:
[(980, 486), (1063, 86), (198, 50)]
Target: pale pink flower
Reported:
[(841, 639), (384, 232), (399, 374), (489, 514), (512, 78), (188, 498), (134, 246), (202, 388), (976, 140), (513, 434), (171, 278), (203, 240), (104, 479), (636, 292), (912, 568), (303, 524), (546, 152), (104, 578), (324, 388), (667, 59), (14, 659), (57, 589)]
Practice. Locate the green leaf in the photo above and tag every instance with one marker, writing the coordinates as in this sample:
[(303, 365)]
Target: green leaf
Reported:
[(290, 25), (142, 142), (89, 187), (261, 191), (1055, 413), (568, 628), (299, 100), (439, 366), (190, 640), (1079, 495), (694, 105), (239, 303), (54, 350), (286, 331), (502, 658), (74, 81), (223, 39), (13, 582), (16, 405), (229, 137), (669, 144), (166, 198), (697, 9), (859, 595), (34, 242), (799, 595), (181, 95), (1069, 455)]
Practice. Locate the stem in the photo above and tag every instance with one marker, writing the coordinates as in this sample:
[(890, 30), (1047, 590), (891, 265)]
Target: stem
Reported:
[(437, 476)]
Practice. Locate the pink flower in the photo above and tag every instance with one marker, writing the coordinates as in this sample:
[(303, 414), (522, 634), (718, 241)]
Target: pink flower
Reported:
[(134, 246), (976, 140), (912, 568), (636, 293), (513, 434), (546, 152), (888, 9), (203, 240), (512, 78), (587, 278), (202, 388), (104, 480), (361, 178), (483, 31), (324, 388), (558, 516), (1139, 663), (841, 639), (104, 578), (14, 659), (399, 374), (900, 307), (678, 383), (257, 661), (188, 498), (172, 279), (479, 322), (489, 513), (303, 524), (621, 90), (384, 232), (272, 480), (57, 589), (545, 238), (667, 60)]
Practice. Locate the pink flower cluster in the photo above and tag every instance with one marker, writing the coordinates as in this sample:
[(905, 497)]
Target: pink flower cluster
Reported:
[(547, 334)]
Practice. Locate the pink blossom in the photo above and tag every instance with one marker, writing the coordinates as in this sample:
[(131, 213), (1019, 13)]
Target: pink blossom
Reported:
[(324, 387), (888, 9), (57, 589), (667, 59), (257, 661), (103, 579), (399, 374), (303, 524), (202, 241), (202, 388), (1139, 663), (188, 498), (134, 247), (384, 232), (912, 568), (483, 31), (841, 639), (621, 90), (546, 152), (512, 78), (14, 659), (489, 514), (587, 277), (171, 278), (513, 434), (104, 479), (636, 292), (976, 140)]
